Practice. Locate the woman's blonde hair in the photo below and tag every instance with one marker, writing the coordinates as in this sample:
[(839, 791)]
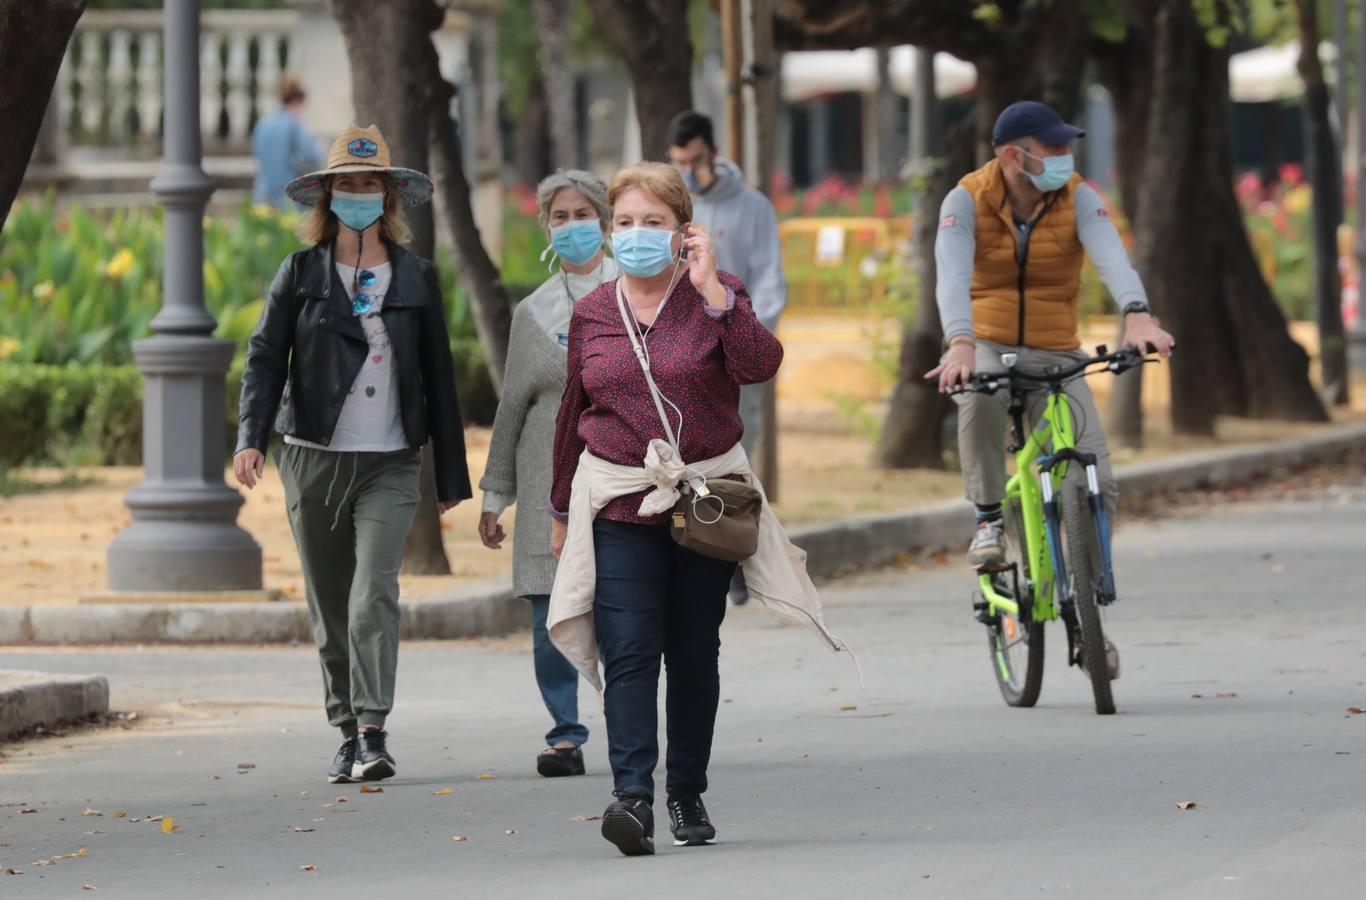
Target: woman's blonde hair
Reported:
[(320, 225), (660, 180)]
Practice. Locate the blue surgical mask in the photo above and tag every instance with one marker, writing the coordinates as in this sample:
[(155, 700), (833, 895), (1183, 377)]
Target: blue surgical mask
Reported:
[(1057, 171), (576, 242), (357, 211), (643, 252)]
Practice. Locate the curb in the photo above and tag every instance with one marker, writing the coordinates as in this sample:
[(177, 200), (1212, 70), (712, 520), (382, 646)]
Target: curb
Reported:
[(488, 609), (30, 699)]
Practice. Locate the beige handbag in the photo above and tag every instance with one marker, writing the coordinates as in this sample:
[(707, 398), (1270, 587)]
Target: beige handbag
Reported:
[(719, 518)]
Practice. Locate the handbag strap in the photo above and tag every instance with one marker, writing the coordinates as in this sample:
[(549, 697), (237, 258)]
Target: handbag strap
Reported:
[(639, 347)]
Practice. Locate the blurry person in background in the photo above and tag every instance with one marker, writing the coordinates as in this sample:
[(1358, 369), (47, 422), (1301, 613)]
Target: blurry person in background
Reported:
[(283, 147)]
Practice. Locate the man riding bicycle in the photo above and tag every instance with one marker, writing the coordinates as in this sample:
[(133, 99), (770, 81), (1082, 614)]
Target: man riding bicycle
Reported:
[(1012, 239)]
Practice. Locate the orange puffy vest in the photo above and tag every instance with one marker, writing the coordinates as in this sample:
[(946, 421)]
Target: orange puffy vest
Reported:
[(1031, 303)]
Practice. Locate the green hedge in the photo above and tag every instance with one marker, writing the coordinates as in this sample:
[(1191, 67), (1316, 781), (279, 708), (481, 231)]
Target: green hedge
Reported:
[(91, 415)]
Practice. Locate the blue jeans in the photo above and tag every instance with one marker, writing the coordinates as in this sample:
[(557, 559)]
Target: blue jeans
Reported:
[(656, 599), (557, 678)]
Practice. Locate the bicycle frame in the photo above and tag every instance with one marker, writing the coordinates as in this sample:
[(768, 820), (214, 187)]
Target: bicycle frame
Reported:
[(1035, 494)]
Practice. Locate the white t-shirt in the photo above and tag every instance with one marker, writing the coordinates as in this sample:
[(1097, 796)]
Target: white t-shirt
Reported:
[(370, 419)]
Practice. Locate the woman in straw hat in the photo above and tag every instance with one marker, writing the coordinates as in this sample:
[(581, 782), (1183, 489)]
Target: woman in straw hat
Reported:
[(352, 353), (573, 206)]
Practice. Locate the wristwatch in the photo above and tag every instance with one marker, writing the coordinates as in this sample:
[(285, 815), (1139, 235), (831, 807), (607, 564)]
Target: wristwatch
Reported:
[(1135, 306)]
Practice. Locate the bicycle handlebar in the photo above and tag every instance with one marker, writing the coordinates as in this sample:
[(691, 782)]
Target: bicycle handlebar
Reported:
[(991, 382)]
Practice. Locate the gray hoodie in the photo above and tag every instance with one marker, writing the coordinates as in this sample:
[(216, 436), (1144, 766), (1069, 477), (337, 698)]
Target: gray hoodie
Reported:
[(745, 232)]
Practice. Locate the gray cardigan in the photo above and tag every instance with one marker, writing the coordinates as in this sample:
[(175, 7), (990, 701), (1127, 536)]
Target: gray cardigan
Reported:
[(520, 450)]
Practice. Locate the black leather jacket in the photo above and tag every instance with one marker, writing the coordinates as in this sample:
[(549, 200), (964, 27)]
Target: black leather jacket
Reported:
[(308, 349)]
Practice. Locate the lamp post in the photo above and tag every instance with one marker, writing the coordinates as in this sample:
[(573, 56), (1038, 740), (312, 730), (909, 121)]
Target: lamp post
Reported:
[(184, 535)]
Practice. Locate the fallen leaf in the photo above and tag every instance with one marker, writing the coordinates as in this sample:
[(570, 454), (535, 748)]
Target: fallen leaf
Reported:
[(460, 839), (1355, 710), (849, 707), (133, 716), (341, 800), (9, 871), (91, 812), (309, 868), (1186, 804), (43, 862), (246, 765), (77, 855), (1227, 695), (155, 818), (118, 814), (25, 810), (510, 831), (216, 777), (444, 792), (299, 829), (168, 825), (485, 776), (135, 819), (367, 789), (89, 887)]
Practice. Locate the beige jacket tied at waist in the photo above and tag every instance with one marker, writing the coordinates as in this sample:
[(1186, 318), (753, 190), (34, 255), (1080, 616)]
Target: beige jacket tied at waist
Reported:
[(776, 574)]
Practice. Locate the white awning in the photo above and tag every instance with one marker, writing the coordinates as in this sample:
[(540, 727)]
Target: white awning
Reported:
[(1270, 73), (811, 73)]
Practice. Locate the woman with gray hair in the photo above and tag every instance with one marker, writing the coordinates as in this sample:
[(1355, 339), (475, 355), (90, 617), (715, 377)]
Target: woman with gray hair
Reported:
[(574, 213)]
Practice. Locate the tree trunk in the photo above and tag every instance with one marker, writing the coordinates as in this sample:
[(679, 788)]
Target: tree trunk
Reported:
[(1130, 90), (477, 273), (652, 38), (1325, 176), (1236, 356), (389, 92), (33, 39), (552, 27), (529, 155)]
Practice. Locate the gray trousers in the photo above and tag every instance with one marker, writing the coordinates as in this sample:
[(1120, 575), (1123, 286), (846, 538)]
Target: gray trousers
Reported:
[(983, 423), (350, 514)]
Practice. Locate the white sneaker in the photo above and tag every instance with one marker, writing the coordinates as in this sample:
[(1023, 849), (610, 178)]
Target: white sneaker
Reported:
[(988, 547)]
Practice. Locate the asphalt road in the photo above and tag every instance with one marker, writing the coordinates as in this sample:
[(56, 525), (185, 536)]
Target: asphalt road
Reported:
[(1243, 648)]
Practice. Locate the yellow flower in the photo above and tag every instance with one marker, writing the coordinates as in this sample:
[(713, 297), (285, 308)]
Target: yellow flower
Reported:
[(120, 265), (44, 291), (263, 210), (1298, 199), (7, 347)]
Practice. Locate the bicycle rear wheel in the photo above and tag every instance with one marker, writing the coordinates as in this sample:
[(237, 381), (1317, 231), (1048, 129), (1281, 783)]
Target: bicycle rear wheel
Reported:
[(1016, 642), (1080, 543)]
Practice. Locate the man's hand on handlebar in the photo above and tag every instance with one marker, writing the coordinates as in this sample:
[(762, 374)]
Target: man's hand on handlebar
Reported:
[(1144, 335), (957, 366)]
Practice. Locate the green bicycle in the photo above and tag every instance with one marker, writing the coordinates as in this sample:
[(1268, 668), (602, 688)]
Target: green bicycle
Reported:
[(1058, 562)]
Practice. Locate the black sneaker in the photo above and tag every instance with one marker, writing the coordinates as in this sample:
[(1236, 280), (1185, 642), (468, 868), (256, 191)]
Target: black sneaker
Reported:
[(689, 823), (373, 762), (340, 773), (630, 824), (561, 762)]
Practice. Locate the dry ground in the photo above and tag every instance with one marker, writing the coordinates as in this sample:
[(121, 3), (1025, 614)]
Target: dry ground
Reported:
[(53, 542)]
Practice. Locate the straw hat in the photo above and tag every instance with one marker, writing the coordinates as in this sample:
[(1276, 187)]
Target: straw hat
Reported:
[(361, 150)]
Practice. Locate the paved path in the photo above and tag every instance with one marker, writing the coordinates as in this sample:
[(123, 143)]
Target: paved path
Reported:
[(1242, 648)]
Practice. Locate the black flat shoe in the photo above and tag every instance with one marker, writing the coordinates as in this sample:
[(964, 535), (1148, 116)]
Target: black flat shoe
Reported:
[(373, 760), (340, 773), (630, 825), (689, 821), (562, 762)]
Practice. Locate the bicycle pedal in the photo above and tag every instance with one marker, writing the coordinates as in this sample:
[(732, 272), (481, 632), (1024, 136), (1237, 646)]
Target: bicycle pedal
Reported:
[(981, 611)]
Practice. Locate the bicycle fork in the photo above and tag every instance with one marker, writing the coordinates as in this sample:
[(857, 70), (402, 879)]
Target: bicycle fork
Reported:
[(1104, 579)]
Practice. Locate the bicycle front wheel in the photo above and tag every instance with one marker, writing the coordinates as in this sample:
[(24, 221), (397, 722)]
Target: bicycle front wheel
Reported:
[(1084, 561), (1016, 642)]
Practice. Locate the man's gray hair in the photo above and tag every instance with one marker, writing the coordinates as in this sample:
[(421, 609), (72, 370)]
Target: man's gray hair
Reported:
[(586, 183)]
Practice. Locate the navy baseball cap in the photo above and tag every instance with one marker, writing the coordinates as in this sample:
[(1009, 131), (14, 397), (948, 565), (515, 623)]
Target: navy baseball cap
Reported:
[(1030, 118)]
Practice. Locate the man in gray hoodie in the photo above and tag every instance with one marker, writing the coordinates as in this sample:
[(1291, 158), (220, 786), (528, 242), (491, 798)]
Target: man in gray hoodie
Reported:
[(744, 231)]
